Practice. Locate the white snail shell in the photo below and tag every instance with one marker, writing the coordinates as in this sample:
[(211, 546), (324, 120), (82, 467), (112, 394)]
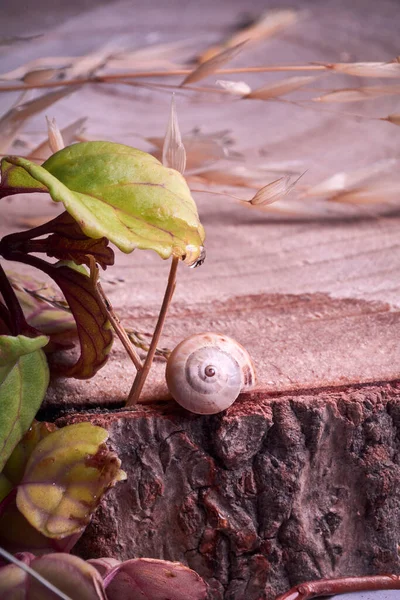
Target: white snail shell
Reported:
[(207, 371)]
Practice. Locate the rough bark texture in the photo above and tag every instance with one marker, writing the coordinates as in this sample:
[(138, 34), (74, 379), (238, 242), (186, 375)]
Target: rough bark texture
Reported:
[(275, 491)]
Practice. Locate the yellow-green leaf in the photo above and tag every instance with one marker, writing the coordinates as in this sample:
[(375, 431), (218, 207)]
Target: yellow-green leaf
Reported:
[(120, 193), (65, 478)]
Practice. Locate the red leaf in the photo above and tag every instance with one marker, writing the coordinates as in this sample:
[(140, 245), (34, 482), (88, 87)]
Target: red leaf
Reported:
[(152, 579), (68, 242), (94, 330)]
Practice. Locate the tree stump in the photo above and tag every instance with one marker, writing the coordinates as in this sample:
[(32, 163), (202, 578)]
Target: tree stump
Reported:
[(276, 490)]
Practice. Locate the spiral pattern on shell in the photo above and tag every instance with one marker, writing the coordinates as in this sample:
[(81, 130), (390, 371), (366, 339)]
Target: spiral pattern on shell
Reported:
[(206, 372)]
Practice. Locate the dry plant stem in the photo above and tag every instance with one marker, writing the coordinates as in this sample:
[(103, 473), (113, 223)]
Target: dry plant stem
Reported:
[(142, 374), (327, 587), (116, 77), (119, 330)]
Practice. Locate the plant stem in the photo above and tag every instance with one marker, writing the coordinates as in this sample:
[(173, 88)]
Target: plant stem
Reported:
[(327, 587), (119, 330), (142, 374), (115, 77)]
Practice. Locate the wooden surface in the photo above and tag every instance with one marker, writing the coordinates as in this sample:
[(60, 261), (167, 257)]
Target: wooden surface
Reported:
[(313, 296)]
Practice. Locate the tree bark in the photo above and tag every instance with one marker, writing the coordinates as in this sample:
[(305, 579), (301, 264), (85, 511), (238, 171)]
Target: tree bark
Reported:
[(275, 491)]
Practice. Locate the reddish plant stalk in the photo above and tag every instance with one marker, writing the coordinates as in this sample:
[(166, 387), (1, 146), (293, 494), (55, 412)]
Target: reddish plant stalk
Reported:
[(341, 585)]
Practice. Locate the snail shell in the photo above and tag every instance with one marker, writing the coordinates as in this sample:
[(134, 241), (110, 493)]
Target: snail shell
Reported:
[(207, 371)]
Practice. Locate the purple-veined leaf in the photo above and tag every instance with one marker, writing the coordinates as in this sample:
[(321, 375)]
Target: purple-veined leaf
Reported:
[(152, 579), (65, 478), (67, 242), (89, 311), (117, 192), (24, 377), (45, 309)]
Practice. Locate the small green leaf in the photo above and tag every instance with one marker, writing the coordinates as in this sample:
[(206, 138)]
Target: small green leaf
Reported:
[(24, 377), (121, 193), (65, 478), (13, 347)]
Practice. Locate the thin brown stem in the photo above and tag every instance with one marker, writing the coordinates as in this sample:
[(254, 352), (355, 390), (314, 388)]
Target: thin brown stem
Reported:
[(113, 77), (120, 331), (115, 322), (142, 375), (327, 587)]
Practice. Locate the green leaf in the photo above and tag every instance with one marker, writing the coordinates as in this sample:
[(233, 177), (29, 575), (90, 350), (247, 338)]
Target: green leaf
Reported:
[(121, 193), (13, 347), (24, 377), (65, 478)]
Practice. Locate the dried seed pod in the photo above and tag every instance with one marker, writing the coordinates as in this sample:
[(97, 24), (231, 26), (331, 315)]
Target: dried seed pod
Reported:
[(206, 372)]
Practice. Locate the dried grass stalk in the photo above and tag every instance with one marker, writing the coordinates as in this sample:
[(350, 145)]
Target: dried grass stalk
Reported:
[(56, 64), (91, 62), (174, 154), (359, 94), (69, 134), (340, 182), (56, 141), (39, 76), (201, 149), (13, 120), (270, 23), (237, 88), (368, 69), (274, 191), (280, 88), (247, 176), (213, 64), (394, 118), (18, 39), (154, 56), (380, 193)]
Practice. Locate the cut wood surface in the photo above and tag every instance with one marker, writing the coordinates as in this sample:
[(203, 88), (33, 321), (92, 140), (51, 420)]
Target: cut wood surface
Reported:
[(341, 262)]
